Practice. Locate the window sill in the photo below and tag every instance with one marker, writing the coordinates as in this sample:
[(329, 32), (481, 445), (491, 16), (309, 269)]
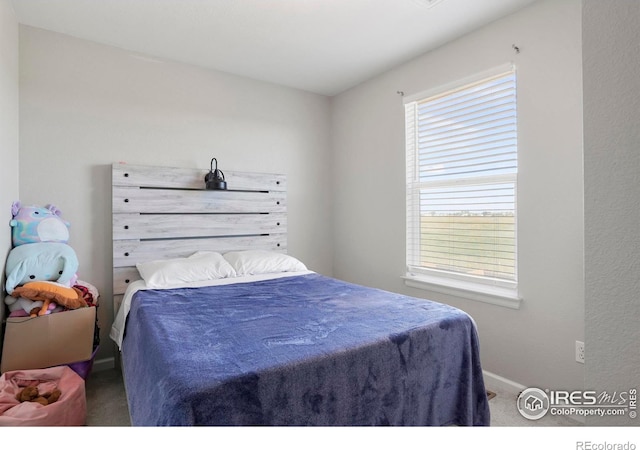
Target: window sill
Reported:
[(494, 295)]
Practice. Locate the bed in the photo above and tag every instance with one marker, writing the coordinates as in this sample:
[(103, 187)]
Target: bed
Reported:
[(225, 328)]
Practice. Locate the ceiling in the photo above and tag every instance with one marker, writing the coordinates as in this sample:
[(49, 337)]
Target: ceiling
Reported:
[(321, 46)]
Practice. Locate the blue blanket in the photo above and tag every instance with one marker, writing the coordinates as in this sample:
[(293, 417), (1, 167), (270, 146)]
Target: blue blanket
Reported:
[(303, 350)]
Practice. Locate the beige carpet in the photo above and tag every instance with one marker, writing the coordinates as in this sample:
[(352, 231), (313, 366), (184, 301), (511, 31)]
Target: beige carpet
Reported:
[(107, 405)]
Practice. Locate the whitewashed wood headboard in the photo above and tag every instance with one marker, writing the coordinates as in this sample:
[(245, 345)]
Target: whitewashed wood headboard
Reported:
[(165, 212)]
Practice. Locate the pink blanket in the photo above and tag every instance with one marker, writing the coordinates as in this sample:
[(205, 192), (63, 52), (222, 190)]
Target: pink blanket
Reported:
[(69, 410)]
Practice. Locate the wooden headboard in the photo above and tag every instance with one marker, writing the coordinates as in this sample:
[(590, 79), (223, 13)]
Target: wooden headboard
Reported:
[(164, 212)]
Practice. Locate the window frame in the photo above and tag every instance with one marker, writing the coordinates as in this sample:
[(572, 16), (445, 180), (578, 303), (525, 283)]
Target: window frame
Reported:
[(489, 290)]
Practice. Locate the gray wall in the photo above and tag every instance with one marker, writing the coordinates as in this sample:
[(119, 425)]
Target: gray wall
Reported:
[(535, 345), (9, 90), (84, 106), (611, 62)]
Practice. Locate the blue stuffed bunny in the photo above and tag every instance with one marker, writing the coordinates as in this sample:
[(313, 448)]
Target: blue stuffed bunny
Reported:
[(42, 261)]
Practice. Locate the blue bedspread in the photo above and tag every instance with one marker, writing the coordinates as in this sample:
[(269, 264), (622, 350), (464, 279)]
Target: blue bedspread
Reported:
[(303, 350)]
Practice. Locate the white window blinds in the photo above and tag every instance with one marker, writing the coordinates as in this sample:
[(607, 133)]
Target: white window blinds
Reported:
[(462, 161)]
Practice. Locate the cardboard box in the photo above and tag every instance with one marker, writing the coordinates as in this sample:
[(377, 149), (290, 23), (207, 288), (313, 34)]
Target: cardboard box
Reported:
[(46, 341)]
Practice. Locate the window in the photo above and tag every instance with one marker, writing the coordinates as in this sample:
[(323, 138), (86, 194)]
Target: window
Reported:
[(462, 161)]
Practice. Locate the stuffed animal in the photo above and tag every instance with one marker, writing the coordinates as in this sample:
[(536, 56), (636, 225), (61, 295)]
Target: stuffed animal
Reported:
[(31, 224), (47, 292), (28, 306), (31, 394), (43, 261)]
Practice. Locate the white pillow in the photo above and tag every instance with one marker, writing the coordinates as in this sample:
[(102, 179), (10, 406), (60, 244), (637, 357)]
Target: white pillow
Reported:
[(255, 262), (200, 266)]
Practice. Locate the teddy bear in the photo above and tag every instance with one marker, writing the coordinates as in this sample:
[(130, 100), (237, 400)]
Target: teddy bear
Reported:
[(31, 224), (31, 394)]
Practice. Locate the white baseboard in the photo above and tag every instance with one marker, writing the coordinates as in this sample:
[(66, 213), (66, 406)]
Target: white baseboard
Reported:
[(104, 364), (495, 382)]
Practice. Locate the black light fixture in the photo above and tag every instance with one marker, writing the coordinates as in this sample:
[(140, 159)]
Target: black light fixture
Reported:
[(214, 180)]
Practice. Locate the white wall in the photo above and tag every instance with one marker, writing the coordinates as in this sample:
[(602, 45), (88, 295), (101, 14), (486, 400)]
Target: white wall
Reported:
[(84, 106), (533, 346), (612, 197), (8, 126)]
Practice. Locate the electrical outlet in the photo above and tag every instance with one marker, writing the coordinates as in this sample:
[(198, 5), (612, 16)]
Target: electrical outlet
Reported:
[(580, 352)]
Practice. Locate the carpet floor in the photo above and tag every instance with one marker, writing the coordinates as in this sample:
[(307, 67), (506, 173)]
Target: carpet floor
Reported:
[(107, 405)]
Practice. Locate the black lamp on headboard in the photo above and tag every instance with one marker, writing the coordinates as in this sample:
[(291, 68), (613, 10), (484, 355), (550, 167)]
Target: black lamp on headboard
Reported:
[(214, 180)]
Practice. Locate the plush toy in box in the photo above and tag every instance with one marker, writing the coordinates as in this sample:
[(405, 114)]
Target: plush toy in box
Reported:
[(39, 274), (41, 269), (31, 224), (38, 298), (43, 261)]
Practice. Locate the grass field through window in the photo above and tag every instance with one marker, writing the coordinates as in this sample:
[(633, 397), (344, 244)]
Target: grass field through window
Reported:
[(482, 245)]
